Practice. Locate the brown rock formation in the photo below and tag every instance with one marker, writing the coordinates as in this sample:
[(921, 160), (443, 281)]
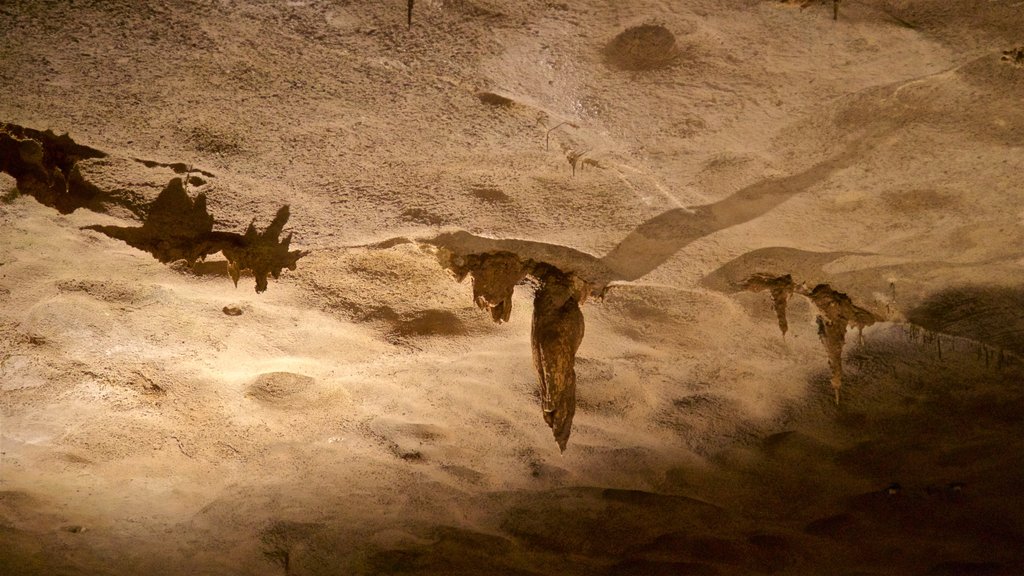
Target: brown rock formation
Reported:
[(781, 288), (557, 328), (555, 336), (494, 276), (836, 314)]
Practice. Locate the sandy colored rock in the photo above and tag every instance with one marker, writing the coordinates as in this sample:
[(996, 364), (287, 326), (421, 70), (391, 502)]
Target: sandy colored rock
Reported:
[(396, 428)]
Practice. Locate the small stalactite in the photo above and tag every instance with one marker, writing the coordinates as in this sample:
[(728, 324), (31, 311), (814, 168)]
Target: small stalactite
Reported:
[(780, 288), (494, 276), (838, 313)]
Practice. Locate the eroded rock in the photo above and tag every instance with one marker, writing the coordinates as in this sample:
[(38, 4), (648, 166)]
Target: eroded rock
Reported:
[(645, 47)]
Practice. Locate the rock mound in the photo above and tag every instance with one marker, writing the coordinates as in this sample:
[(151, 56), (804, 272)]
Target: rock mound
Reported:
[(645, 47), (280, 388)]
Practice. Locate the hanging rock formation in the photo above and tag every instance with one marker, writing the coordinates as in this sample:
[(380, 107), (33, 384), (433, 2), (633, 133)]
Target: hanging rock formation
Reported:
[(836, 314), (781, 288), (494, 278), (557, 328), (555, 336)]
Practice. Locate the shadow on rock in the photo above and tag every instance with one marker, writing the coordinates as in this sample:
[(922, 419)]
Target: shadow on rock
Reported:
[(990, 314), (180, 228), (44, 166)]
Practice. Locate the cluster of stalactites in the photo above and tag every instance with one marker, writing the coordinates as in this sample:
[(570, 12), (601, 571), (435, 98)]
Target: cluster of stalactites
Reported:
[(836, 314)]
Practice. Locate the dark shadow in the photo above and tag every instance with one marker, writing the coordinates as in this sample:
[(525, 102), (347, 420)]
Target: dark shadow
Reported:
[(993, 315), (44, 166), (801, 264), (180, 228), (175, 227), (658, 239)]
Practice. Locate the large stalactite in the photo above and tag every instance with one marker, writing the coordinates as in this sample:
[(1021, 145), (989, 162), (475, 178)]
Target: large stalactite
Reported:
[(555, 336), (557, 327)]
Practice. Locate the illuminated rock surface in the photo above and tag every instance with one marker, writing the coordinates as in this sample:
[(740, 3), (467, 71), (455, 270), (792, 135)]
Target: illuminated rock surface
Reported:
[(364, 416)]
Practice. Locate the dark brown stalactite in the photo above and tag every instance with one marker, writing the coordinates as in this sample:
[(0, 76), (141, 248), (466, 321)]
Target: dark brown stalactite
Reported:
[(494, 275), (555, 336), (836, 313), (557, 327)]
